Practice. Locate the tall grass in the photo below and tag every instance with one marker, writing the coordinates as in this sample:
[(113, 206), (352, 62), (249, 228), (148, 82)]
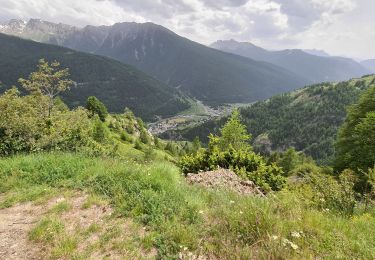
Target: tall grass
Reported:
[(183, 219)]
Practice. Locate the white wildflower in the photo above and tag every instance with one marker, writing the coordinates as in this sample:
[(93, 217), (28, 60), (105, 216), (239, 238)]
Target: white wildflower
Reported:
[(295, 234), (294, 246)]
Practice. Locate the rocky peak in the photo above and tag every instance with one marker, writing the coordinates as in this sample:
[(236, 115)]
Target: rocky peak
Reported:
[(13, 26)]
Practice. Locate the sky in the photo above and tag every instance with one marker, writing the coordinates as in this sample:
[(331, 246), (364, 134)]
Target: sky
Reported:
[(340, 27)]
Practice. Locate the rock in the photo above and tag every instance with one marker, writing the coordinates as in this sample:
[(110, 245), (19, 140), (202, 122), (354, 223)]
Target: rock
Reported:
[(224, 179)]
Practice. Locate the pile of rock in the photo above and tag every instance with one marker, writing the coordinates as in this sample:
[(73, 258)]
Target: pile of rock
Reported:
[(224, 179)]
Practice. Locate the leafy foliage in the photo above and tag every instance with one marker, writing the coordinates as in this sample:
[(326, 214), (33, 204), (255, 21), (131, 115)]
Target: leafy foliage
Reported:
[(356, 139), (234, 134), (48, 80), (24, 127), (95, 107)]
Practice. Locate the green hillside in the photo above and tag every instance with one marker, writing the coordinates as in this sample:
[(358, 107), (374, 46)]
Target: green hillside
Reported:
[(306, 119), (84, 184), (116, 84)]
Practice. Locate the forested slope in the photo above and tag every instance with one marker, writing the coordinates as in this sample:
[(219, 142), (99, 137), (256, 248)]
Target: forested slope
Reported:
[(306, 119), (116, 84)]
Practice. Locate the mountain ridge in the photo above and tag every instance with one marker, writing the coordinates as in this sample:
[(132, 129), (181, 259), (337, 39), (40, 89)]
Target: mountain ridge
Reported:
[(315, 68), (116, 84)]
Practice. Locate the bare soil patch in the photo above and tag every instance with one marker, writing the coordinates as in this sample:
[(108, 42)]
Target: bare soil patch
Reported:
[(224, 179), (100, 234), (15, 222)]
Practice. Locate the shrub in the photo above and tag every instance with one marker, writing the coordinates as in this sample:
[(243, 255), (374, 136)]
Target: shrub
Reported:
[(126, 137), (137, 145), (25, 126), (144, 137), (95, 107), (326, 192), (100, 132)]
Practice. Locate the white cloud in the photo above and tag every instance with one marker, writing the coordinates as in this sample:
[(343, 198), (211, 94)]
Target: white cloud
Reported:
[(338, 26)]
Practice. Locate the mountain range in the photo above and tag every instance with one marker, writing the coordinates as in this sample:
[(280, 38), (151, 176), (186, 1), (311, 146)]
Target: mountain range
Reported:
[(225, 72), (369, 64), (199, 71), (116, 84), (314, 68)]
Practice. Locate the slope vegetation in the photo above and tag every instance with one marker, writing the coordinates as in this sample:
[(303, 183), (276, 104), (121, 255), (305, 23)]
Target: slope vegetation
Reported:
[(306, 119)]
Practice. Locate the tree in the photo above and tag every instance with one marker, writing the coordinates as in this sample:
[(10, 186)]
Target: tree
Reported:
[(48, 80), (356, 139), (234, 134), (96, 107), (196, 144), (289, 160)]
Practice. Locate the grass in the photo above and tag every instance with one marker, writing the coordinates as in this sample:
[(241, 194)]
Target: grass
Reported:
[(183, 219)]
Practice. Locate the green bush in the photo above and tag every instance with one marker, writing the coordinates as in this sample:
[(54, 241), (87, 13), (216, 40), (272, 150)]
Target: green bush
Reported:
[(26, 127), (326, 192), (144, 137), (96, 107), (126, 137)]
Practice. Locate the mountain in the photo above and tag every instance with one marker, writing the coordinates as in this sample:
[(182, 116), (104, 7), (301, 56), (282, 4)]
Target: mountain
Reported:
[(197, 70), (307, 119), (314, 68), (317, 52), (369, 64), (37, 30), (116, 84)]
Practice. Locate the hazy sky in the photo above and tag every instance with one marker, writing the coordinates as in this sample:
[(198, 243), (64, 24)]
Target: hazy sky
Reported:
[(341, 27)]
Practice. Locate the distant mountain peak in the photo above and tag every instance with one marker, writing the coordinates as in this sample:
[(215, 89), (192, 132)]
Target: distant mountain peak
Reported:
[(37, 30), (13, 25), (315, 65), (317, 52)]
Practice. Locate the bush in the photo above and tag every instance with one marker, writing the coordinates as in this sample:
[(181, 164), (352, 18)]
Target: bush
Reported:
[(126, 137), (326, 192), (144, 137), (95, 107), (25, 127), (100, 132), (137, 145)]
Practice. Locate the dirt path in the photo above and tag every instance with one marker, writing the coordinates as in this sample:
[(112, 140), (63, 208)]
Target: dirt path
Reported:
[(89, 220), (15, 223)]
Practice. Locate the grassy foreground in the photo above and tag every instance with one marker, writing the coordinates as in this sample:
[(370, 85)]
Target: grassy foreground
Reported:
[(183, 219)]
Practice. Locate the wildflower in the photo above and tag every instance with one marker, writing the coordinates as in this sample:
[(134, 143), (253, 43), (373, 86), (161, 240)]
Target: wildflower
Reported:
[(274, 237), (294, 246), (231, 202), (296, 234), (201, 212), (287, 242), (241, 212)]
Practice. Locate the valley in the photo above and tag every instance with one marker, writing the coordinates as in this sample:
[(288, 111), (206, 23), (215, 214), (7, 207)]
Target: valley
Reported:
[(163, 130)]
